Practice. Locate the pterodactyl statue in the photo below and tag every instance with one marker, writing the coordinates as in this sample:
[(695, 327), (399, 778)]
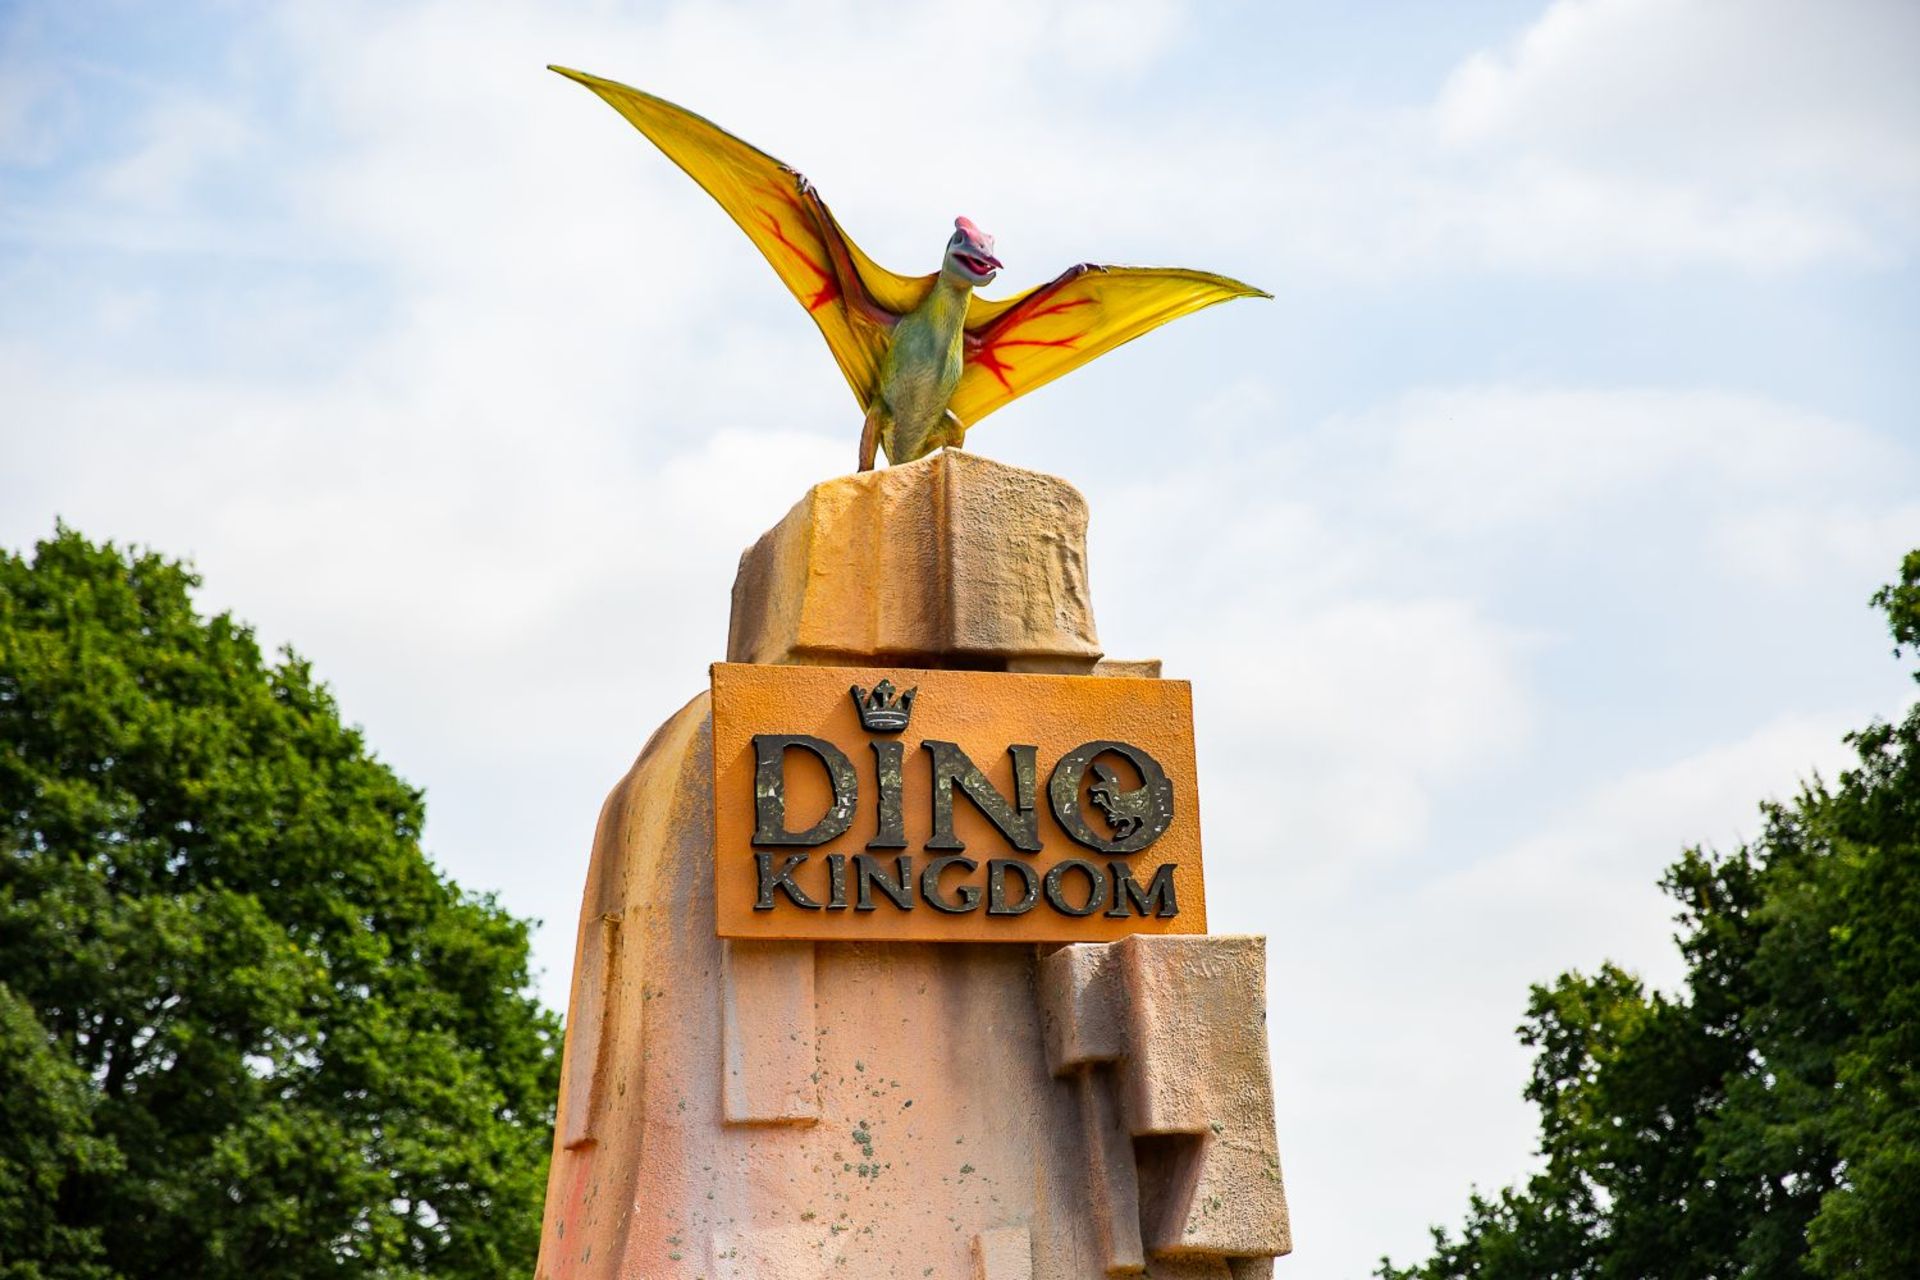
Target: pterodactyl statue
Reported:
[(926, 358)]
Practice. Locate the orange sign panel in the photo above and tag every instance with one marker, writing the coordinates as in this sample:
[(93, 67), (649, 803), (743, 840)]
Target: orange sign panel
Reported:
[(893, 804)]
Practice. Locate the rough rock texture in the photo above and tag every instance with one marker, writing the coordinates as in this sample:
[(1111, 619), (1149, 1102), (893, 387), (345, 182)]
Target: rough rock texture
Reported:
[(797, 1111), (952, 557)]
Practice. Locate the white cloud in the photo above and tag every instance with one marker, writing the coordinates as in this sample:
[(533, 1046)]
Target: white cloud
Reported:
[(1608, 135), (181, 140), (1751, 92), (1392, 1002), (1759, 136), (24, 91), (1783, 545), (1760, 492), (1348, 716), (1582, 888), (1478, 460)]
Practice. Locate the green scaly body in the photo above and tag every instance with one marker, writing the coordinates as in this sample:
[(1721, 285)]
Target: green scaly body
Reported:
[(922, 367)]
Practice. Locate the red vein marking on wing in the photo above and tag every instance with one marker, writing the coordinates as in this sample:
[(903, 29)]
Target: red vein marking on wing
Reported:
[(829, 287), (1053, 310), (985, 355)]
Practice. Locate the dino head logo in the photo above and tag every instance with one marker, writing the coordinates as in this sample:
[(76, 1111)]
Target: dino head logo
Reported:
[(1125, 811)]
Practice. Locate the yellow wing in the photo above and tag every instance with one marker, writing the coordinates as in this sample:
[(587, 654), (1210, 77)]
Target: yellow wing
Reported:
[(1028, 340), (853, 299)]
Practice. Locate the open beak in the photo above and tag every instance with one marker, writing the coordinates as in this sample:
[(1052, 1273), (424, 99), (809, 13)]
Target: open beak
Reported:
[(978, 260)]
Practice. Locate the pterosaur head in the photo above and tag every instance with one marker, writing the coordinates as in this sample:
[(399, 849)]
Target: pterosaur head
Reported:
[(970, 253)]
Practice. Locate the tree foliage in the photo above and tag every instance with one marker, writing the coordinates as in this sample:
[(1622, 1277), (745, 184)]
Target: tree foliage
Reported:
[(246, 1029), (1765, 1123)]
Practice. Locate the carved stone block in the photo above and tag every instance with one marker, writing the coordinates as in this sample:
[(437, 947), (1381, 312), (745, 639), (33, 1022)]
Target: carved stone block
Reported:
[(1166, 1039), (767, 1033), (951, 560)]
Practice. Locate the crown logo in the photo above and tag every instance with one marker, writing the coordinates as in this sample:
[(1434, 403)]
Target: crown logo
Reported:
[(880, 711)]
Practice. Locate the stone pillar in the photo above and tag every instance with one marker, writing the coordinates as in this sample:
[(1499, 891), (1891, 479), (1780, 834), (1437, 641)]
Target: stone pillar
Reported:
[(795, 1110)]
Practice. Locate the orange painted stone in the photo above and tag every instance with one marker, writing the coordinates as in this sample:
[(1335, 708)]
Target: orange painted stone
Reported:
[(954, 560), (948, 872)]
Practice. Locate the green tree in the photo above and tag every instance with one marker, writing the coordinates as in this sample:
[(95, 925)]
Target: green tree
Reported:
[(1766, 1122), (246, 1029)]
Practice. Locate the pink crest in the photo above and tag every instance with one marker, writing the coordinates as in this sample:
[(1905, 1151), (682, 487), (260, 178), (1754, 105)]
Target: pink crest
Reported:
[(974, 233)]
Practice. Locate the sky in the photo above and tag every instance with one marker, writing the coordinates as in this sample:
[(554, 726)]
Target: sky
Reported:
[(1522, 540)]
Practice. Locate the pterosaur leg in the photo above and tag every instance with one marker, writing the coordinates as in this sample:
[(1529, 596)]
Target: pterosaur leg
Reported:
[(870, 436)]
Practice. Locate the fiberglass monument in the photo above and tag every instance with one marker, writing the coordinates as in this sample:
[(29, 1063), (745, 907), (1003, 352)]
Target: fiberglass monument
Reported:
[(892, 959)]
